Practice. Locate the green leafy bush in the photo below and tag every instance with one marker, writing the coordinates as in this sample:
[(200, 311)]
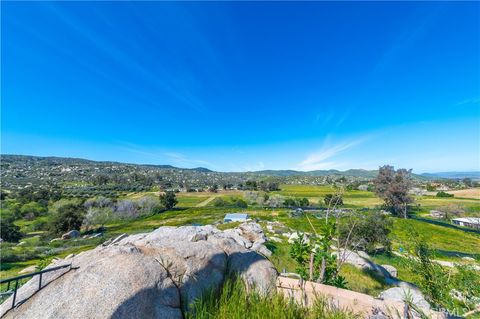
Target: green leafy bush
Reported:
[(231, 202), (315, 259), (444, 194), (67, 217), (365, 231), (9, 231)]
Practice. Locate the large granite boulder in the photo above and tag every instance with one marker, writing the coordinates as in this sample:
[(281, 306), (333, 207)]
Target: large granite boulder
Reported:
[(151, 275), (406, 293)]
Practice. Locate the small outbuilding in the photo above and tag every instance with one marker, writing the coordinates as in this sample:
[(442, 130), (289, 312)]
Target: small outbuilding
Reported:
[(235, 217), (472, 222)]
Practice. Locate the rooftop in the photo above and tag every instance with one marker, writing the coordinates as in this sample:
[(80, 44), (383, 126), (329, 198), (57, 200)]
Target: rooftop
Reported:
[(473, 220)]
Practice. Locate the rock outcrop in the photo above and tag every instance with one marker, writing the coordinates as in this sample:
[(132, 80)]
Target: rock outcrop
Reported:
[(151, 275), (71, 234)]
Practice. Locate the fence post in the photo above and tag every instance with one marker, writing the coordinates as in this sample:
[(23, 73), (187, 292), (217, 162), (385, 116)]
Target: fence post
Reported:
[(40, 282), (15, 293)]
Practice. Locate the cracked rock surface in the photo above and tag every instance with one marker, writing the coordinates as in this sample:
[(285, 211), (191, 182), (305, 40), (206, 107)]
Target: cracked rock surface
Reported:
[(150, 275)]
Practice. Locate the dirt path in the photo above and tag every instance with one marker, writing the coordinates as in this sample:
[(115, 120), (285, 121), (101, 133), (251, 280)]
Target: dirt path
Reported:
[(205, 202)]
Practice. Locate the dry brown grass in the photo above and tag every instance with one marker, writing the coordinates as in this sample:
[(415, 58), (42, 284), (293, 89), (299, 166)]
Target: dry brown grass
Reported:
[(466, 193)]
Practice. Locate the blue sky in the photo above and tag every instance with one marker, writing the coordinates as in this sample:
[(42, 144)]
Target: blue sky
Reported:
[(244, 86)]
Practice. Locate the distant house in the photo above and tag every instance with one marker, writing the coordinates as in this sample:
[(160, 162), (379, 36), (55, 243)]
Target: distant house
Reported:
[(235, 217), (472, 222)]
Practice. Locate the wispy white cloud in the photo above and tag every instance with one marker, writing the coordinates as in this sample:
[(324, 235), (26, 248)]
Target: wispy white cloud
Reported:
[(323, 159), (468, 101)]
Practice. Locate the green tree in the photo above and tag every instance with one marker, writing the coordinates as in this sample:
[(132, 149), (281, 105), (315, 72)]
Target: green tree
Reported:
[(168, 199), (9, 231), (393, 186), (67, 217)]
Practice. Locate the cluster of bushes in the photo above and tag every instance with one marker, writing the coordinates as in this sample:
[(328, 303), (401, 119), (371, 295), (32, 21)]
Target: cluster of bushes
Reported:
[(274, 201), (230, 202), (444, 194), (102, 210), (261, 186), (365, 231), (296, 202)]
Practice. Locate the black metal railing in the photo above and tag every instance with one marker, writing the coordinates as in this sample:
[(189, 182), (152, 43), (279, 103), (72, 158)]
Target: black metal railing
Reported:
[(8, 281)]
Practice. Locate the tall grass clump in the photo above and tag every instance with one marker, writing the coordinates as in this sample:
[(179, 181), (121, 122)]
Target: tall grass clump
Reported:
[(233, 301)]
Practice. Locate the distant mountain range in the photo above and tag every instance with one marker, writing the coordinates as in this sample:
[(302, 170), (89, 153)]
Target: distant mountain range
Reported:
[(453, 175), (331, 172), (30, 162)]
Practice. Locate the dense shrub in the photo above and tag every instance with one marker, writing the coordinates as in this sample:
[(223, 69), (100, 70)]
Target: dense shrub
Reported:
[(365, 231), (67, 217), (296, 202), (168, 199), (230, 202), (255, 198), (32, 210), (444, 194), (9, 231)]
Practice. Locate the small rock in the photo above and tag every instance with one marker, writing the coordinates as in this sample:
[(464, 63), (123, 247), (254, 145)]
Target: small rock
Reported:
[(275, 239)]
